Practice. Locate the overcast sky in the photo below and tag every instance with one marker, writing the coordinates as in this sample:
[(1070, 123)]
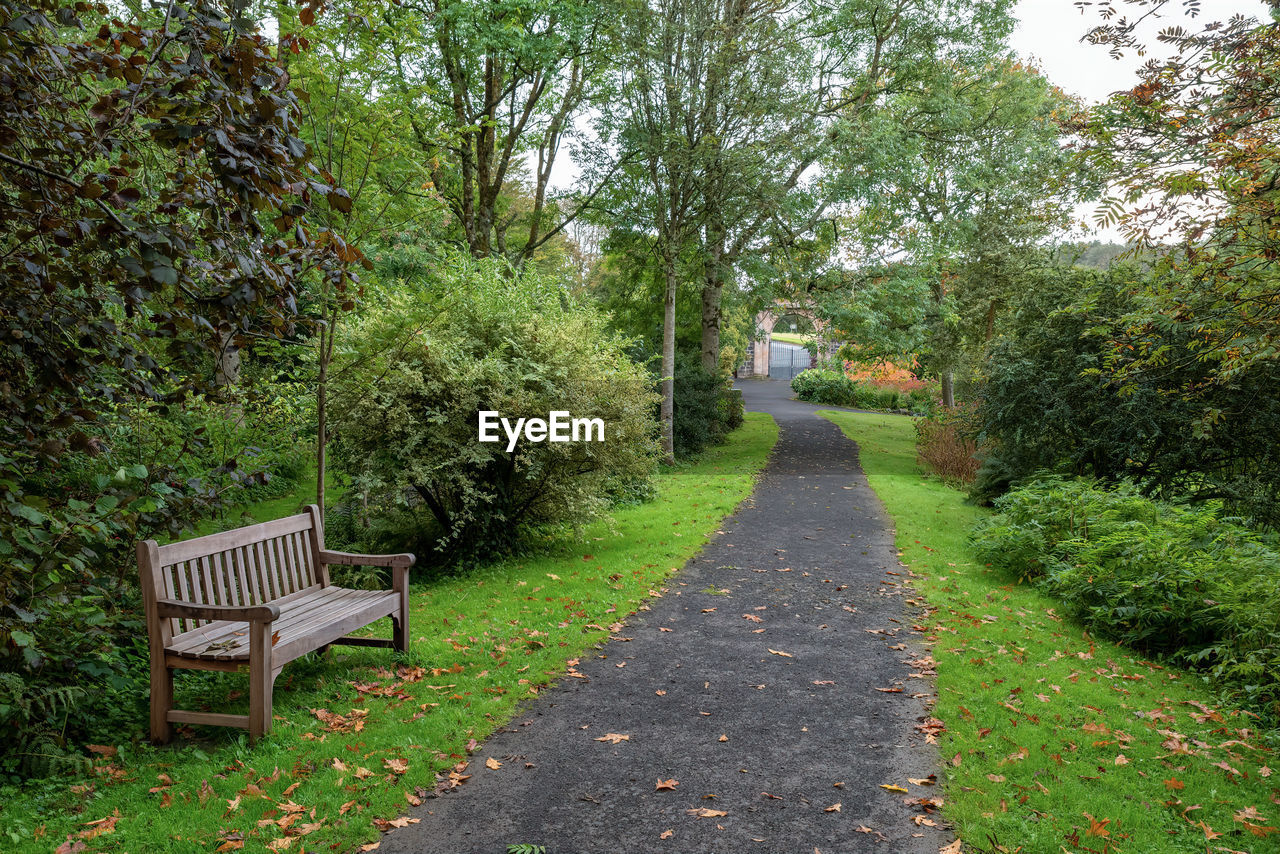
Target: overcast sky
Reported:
[(1050, 31)]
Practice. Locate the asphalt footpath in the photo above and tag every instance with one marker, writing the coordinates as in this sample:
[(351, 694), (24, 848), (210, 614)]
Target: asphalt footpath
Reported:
[(748, 694)]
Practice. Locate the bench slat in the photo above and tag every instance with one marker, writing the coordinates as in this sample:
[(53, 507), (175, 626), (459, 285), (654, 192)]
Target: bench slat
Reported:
[(189, 643), (213, 543), (302, 613)]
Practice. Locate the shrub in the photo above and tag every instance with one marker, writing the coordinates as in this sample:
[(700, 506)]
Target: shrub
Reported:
[(706, 407), (475, 336), (1054, 399), (1182, 581), (819, 385), (945, 444)]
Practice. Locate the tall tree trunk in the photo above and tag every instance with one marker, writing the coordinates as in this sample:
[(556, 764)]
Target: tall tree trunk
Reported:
[(948, 389), (667, 410), (328, 330), (712, 295), (226, 376)]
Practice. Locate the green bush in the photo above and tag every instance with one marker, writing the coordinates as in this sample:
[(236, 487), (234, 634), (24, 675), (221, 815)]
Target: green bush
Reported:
[(706, 408), (1053, 400), (476, 336), (1182, 581), (819, 385)]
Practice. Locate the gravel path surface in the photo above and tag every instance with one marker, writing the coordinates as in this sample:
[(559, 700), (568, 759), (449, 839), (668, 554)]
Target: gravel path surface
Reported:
[(751, 683)]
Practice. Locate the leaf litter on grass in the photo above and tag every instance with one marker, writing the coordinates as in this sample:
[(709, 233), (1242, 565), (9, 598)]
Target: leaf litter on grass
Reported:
[(1058, 740)]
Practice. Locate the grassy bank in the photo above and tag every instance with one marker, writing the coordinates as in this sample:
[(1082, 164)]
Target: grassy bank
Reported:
[(360, 735), (1057, 741)]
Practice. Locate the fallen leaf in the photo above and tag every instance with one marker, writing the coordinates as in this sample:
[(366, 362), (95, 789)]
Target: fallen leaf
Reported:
[(1097, 827), (1174, 784), (387, 824), (724, 738), (363, 773), (231, 845), (101, 826), (953, 848), (833, 808), (892, 788), (781, 653), (412, 799), (1122, 759), (342, 810), (996, 778), (613, 737), (492, 764), (703, 812), (396, 766), (666, 834), (281, 844), (923, 821), (372, 846), (931, 780), (666, 785)]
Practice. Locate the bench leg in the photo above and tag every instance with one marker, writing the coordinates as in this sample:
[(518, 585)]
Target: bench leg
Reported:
[(261, 680), (161, 702), (400, 632)]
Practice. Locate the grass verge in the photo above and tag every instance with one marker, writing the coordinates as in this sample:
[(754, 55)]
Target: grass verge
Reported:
[(359, 735), (1057, 741)]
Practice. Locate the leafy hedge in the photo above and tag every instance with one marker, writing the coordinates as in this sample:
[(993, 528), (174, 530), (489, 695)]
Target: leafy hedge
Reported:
[(1181, 581), (822, 385)]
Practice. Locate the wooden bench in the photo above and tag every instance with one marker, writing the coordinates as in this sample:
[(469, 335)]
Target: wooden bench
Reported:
[(254, 599)]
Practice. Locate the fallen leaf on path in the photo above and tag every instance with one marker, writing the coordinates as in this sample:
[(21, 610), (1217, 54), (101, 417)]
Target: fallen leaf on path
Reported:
[(724, 738), (781, 653), (889, 690), (613, 737), (823, 682), (703, 812), (833, 808), (922, 821), (892, 788), (931, 780), (492, 764), (666, 785), (666, 834), (387, 824)]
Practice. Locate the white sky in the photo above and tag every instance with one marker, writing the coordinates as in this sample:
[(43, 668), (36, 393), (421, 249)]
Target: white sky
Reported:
[(1050, 32)]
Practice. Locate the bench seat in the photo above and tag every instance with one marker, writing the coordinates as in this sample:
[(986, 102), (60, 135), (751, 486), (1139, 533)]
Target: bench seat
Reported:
[(309, 620)]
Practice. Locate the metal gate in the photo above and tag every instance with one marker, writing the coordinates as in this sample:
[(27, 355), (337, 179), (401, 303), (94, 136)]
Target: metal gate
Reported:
[(787, 360)]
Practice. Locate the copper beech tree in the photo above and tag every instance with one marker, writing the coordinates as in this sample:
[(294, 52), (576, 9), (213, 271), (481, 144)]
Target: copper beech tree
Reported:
[(153, 205)]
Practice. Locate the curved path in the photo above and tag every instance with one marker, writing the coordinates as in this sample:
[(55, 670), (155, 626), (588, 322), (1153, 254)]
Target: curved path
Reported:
[(772, 741)]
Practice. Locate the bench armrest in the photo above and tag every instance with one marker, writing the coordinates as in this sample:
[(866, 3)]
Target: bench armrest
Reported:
[(349, 559), (189, 611)]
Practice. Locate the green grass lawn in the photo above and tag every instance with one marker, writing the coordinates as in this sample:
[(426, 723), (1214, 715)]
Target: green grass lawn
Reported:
[(1057, 741), (359, 734), (796, 338)]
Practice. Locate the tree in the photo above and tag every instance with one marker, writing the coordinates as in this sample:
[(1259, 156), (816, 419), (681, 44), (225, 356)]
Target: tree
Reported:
[(1193, 152), (154, 205), (964, 174), (504, 81)]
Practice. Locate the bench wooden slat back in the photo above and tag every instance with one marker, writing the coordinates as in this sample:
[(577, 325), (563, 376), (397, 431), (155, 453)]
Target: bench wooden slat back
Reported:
[(247, 566)]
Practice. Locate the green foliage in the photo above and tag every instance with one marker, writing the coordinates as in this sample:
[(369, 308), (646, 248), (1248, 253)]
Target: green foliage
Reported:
[(823, 385), (819, 385), (1182, 581), (706, 407), (477, 336), (1053, 400)]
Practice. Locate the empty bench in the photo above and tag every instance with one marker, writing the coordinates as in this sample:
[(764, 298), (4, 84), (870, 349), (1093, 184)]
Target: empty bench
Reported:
[(254, 599)]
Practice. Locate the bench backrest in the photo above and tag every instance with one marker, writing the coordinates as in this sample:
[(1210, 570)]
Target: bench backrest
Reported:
[(245, 566)]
